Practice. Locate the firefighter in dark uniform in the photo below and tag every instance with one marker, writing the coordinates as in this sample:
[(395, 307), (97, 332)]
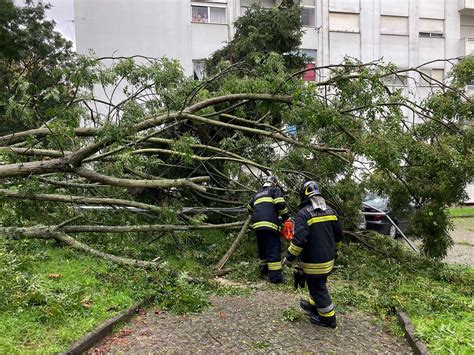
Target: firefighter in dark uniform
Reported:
[(266, 206), (318, 235)]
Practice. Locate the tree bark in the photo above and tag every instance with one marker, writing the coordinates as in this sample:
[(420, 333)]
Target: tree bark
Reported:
[(162, 183), (234, 245), (79, 199), (146, 228)]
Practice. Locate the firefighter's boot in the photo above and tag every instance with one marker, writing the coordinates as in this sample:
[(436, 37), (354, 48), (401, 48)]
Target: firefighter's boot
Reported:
[(263, 267), (308, 308), (327, 322)]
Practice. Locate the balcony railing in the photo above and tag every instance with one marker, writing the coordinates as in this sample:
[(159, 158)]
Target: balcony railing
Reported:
[(466, 7)]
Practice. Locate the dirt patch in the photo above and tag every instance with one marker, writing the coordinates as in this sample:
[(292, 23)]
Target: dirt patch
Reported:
[(235, 324), (463, 235)]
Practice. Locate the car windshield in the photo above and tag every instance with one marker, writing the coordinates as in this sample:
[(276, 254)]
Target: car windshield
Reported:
[(375, 201)]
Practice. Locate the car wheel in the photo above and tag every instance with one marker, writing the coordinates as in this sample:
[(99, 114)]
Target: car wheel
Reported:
[(392, 232)]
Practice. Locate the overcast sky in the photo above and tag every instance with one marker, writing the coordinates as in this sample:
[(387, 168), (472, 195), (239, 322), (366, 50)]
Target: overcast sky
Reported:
[(62, 13)]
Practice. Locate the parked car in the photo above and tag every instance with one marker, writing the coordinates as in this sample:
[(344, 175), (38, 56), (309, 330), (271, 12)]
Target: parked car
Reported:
[(374, 210)]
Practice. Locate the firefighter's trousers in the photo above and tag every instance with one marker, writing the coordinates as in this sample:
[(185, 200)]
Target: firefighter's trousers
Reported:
[(269, 244), (321, 299)]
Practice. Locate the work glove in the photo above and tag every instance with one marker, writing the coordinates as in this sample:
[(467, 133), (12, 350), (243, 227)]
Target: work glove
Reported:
[(286, 262), (298, 278)]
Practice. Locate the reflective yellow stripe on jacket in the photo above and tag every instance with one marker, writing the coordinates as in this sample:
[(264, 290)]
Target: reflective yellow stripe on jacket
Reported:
[(279, 200), (294, 249), (283, 211), (265, 224), (321, 219), (318, 268), (263, 199)]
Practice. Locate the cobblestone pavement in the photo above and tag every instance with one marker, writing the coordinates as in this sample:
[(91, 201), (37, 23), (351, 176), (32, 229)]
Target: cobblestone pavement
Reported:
[(250, 324), (462, 251)]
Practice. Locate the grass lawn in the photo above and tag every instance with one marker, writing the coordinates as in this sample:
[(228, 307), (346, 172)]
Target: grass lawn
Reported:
[(52, 296), (461, 211)]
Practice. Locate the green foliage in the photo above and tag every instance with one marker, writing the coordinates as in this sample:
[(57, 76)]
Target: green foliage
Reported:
[(261, 344), (182, 297), (49, 297), (437, 296), (56, 295), (291, 314), (264, 30), (32, 59)]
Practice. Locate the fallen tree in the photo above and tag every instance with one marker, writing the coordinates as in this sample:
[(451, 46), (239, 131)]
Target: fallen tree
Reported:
[(138, 133)]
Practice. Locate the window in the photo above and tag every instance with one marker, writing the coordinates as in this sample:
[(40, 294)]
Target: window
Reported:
[(208, 14), (431, 28), (429, 75), (394, 25), (309, 75), (396, 79), (307, 17), (199, 68), (343, 22)]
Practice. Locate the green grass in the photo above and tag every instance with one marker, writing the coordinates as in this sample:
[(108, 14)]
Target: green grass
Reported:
[(51, 296), (45, 314), (461, 211)]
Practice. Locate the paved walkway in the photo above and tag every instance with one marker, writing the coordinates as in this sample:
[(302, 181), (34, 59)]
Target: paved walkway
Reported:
[(254, 323), (462, 251)]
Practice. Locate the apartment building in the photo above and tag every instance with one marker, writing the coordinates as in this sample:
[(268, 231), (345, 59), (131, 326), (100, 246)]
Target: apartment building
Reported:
[(407, 33)]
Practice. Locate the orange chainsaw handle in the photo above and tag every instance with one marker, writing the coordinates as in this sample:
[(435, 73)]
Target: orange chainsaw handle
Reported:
[(287, 229)]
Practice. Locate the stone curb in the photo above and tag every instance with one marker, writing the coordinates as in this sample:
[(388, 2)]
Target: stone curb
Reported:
[(418, 347), (104, 329), (462, 216)]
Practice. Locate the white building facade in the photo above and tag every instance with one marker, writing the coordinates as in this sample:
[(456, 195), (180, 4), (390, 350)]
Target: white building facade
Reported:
[(407, 33)]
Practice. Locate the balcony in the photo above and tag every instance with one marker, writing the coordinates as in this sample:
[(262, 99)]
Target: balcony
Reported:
[(466, 7), (467, 46)]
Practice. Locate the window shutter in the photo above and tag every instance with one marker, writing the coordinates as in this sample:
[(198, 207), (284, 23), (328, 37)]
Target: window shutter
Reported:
[(431, 25), (394, 25), (343, 22)]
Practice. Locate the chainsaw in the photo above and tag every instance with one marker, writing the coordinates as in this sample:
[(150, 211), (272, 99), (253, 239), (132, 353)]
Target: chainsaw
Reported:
[(287, 229)]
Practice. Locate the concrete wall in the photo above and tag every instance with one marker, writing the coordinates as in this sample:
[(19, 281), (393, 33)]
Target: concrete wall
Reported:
[(344, 5), (207, 38), (342, 44), (125, 28), (394, 8), (394, 49), (310, 39), (433, 8)]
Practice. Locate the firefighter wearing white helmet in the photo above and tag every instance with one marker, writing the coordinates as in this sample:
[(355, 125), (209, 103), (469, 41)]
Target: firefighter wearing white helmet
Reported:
[(318, 234), (266, 206)]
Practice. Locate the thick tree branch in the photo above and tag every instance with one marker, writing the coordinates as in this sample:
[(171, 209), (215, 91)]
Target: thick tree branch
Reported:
[(237, 97), (162, 183), (79, 199)]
